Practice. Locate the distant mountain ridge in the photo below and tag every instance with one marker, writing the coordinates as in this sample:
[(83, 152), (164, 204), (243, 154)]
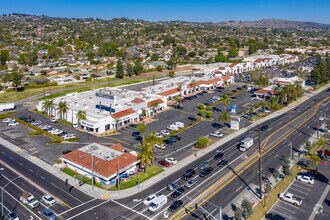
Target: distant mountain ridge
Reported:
[(263, 23), (273, 23)]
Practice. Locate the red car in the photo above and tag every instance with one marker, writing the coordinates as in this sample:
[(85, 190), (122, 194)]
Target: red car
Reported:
[(326, 152), (164, 163), (234, 91)]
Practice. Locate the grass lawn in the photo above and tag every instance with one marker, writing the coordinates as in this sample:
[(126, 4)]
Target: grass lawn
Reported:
[(259, 212), (150, 172), (84, 179)]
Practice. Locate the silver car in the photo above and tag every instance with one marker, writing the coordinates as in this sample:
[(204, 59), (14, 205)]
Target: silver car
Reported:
[(191, 183)]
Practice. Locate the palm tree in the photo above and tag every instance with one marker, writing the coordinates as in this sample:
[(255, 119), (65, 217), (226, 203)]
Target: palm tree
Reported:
[(117, 123), (63, 107), (225, 83), (81, 115), (322, 143), (152, 139), (143, 112), (142, 128), (316, 159), (193, 84), (224, 117), (146, 156), (226, 100), (154, 107), (263, 104), (47, 105), (177, 99)]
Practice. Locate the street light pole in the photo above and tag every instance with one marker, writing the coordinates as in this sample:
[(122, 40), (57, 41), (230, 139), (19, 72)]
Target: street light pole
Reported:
[(317, 118), (260, 168), (118, 183), (2, 189), (92, 172)]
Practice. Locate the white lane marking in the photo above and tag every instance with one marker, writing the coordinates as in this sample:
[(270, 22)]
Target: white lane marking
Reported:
[(281, 213), (22, 204), (3, 152), (42, 177), (77, 206), (31, 170), (131, 209), (66, 192), (11, 158), (281, 207), (296, 184), (21, 164), (239, 188), (308, 126), (88, 209), (297, 190)]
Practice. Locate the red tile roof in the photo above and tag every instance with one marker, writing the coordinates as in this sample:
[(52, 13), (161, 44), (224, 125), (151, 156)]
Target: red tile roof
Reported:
[(226, 78), (221, 68), (169, 92), (159, 101), (117, 147), (233, 64), (123, 113), (103, 167), (137, 100), (264, 91)]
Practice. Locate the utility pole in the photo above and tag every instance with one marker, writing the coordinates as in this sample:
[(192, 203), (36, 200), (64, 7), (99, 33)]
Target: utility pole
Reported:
[(260, 168), (317, 119), (118, 183)]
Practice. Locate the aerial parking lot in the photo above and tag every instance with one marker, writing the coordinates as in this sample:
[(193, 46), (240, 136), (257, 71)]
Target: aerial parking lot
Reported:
[(310, 195)]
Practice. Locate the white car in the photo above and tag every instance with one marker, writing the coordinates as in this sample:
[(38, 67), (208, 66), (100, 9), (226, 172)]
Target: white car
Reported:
[(305, 178), (267, 111), (149, 199), (55, 131), (48, 199), (179, 124), (217, 134), (216, 98), (162, 146), (173, 127), (158, 135), (321, 118), (171, 160), (165, 132), (75, 125), (13, 123), (6, 120), (69, 136), (53, 119)]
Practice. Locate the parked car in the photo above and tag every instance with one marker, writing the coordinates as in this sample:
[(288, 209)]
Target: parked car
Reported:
[(175, 205), (191, 183), (290, 198), (162, 146), (264, 128), (192, 118), (53, 119), (149, 199), (206, 172), (158, 135), (136, 134), (37, 122), (178, 138), (217, 134), (203, 165), (173, 127), (321, 118), (75, 125), (189, 173), (69, 136), (326, 152), (49, 214), (305, 178), (13, 123), (218, 156), (12, 216), (178, 106), (48, 199), (7, 120), (179, 124), (164, 163), (177, 192), (165, 132), (274, 216), (171, 160)]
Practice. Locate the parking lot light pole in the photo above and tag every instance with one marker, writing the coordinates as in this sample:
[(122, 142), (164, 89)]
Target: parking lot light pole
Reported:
[(2, 189)]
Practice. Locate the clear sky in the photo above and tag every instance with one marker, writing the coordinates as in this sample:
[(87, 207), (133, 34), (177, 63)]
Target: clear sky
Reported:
[(187, 10)]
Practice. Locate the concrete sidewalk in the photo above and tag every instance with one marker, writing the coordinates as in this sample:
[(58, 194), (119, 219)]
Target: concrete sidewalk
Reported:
[(104, 194)]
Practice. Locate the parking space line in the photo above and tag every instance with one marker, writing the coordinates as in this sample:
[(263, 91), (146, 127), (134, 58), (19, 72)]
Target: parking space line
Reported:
[(297, 185), (298, 191), (281, 207), (281, 213)]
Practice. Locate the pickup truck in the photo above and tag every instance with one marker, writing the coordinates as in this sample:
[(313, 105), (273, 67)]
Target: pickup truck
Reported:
[(28, 199), (290, 198)]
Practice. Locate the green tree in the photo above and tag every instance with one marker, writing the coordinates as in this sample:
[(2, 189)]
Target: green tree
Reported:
[(154, 57), (63, 107), (268, 188), (146, 156), (238, 213), (4, 57), (16, 77), (47, 105), (247, 207), (224, 117), (225, 99), (138, 68), (220, 57), (202, 142), (233, 52), (172, 74), (159, 68), (90, 55), (262, 81), (181, 51), (192, 54), (119, 70), (209, 114), (316, 160), (142, 127), (129, 70), (81, 115)]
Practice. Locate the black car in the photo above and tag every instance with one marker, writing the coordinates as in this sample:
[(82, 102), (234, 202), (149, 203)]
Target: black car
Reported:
[(177, 192), (264, 128), (189, 173), (175, 205), (169, 141), (222, 163), (173, 139), (178, 138), (218, 156), (136, 134), (206, 172), (192, 118), (274, 216), (179, 106)]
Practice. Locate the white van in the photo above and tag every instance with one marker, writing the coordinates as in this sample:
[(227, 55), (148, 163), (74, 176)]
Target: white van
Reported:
[(246, 144), (173, 127), (179, 124), (157, 203)]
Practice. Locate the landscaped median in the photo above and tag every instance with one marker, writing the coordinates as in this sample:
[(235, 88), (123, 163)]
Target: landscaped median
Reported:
[(260, 211), (124, 184)]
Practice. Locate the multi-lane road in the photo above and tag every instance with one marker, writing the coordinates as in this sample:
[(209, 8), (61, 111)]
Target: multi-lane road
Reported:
[(218, 188)]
